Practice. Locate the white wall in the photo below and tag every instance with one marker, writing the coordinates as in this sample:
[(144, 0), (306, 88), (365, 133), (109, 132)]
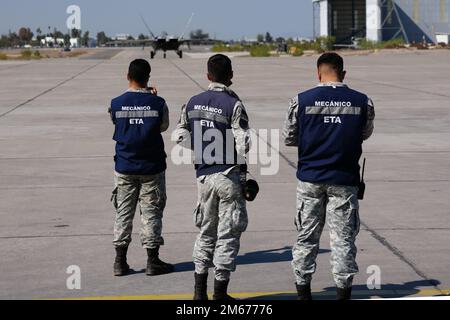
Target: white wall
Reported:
[(324, 18), (373, 20), (74, 43), (442, 38)]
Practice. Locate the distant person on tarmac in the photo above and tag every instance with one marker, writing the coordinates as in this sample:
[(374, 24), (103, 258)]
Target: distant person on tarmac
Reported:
[(221, 213), (139, 116), (328, 124)]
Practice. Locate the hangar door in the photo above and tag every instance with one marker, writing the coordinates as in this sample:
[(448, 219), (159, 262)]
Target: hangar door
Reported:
[(348, 20)]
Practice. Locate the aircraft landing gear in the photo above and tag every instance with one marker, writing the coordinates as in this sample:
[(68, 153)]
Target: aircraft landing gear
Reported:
[(180, 54), (152, 54), (165, 55)]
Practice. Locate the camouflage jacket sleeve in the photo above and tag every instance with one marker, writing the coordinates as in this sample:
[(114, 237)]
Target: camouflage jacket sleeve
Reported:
[(290, 129), (241, 129), (183, 130), (165, 118), (369, 126)]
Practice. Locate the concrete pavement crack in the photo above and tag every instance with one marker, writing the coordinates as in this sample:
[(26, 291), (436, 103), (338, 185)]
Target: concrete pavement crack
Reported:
[(49, 90)]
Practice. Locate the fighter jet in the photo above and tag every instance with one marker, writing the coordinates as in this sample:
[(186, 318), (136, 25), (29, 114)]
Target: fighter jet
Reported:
[(162, 43)]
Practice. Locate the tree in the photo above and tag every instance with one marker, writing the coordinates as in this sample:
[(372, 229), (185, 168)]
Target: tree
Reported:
[(142, 37), (14, 39), (57, 34), (25, 35), (260, 38), (85, 39), (130, 38), (75, 33), (67, 40), (102, 38), (199, 35), (268, 38), (4, 42), (39, 33)]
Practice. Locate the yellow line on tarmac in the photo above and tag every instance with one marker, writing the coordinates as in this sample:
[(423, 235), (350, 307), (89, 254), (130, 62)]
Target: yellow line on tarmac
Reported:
[(275, 294)]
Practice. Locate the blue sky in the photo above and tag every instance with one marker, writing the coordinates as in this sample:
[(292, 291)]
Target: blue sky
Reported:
[(224, 19)]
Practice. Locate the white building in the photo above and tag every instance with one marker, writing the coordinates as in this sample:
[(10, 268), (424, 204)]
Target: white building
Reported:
[(74, 42), (122, 36), (48, 41), (52, 42), (443, 38)]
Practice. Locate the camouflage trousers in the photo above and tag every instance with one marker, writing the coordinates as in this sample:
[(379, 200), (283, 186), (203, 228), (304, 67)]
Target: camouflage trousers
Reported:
[(340, 205), (221, 216), (149, 191)]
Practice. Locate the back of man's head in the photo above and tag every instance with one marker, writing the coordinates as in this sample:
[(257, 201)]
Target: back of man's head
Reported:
[(139, 71), (220, 69), (331, 62)]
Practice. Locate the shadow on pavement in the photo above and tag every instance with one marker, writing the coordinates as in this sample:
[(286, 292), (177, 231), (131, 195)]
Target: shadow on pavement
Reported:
[(133, 271), (264, 256), (389, 290)]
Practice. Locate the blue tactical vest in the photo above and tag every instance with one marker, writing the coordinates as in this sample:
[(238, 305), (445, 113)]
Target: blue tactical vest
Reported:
[(331, 121), (209, 115), (139, 143)]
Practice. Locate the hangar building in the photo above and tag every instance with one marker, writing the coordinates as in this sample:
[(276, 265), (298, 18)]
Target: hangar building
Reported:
[(379, 20)]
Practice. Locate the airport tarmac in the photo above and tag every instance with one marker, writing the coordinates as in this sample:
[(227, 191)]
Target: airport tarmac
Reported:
[(56, 177)]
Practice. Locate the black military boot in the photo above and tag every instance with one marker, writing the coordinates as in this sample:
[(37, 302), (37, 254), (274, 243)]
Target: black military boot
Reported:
[(200, 289), (121, 267), (155, 266), (220, 290), (304, 291), (344, 293)]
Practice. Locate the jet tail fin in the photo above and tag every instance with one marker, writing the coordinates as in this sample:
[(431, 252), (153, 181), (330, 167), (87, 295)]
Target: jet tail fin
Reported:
[(188, 24)]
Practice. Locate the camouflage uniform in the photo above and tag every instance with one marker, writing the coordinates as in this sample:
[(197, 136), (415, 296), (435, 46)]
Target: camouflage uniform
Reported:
[(314, 203), (221, 213), (221, 216), (149, 191)]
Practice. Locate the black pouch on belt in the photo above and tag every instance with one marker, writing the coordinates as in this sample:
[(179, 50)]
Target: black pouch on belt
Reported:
[(362, 184), (250, 189)]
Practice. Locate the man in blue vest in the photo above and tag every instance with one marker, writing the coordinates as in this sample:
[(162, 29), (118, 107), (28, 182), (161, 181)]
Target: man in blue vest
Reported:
[(328, 124), (214, 124), (139, 116)]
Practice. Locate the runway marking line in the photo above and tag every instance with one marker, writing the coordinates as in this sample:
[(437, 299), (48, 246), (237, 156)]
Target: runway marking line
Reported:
[(249, 295)]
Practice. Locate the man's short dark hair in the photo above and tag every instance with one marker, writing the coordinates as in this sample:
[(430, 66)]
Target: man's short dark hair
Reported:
[(333, 60), (139, 71), (219, 67)]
